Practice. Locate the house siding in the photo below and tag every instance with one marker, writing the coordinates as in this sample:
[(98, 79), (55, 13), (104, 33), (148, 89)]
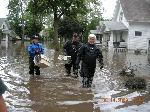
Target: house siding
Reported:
[(138, 42)]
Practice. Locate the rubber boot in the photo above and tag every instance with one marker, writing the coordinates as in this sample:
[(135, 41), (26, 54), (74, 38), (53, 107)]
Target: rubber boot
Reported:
[(75, 73), (89, 82), (84, 82)]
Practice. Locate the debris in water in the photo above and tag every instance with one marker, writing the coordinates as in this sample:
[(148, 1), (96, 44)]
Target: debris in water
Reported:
[(136, 83)]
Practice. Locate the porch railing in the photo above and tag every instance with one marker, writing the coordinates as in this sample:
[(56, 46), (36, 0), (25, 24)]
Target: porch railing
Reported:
[(120, 44)]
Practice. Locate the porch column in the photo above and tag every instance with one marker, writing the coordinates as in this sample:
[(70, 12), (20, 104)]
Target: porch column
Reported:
[(104, 40), (6, 41), (111, 40)]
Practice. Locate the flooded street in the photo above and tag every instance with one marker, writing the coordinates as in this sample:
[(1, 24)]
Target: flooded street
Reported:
[(52, 91)]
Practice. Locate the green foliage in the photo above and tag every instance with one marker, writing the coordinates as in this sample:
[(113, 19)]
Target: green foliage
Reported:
[(91, 19), (48, 34), (63, 17), (68, 26), (91, 26), (21, 21), (57, 8), (14, 16), (33, 25)]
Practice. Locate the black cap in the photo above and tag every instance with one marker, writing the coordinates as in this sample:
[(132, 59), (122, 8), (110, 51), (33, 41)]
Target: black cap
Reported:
[(35, 37)]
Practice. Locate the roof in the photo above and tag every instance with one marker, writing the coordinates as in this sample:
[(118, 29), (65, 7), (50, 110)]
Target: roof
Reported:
[(114, 26), (10, 32), (2, 20), (95, 31), (136, 10)]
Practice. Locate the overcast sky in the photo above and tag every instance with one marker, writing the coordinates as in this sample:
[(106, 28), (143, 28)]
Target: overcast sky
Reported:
[(3, 8), (107, 4)]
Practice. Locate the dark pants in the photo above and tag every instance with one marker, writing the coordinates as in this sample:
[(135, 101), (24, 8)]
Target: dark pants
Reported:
[(87, 73), (69, 65), (32, 67), (3, 87)]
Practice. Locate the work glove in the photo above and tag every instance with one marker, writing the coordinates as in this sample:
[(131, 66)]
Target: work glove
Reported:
[(37, 51)]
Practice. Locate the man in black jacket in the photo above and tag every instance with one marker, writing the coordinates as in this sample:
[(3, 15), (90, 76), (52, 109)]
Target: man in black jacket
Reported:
[(71, 49), (88, 53)]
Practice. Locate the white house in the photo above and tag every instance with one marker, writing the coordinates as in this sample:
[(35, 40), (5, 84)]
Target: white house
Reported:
[(7, 33), (130, 26)]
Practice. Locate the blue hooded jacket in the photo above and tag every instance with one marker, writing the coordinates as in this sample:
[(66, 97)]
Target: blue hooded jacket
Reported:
[(35, 48)]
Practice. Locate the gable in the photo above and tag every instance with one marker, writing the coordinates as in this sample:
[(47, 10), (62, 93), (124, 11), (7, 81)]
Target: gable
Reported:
[(116, 11), (119, 13), (114, 26), (136, 10), (133, 10), (4, 24), (2, 20)]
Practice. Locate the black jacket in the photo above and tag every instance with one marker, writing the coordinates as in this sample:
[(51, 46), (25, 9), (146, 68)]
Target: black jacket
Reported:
[(88, 53), (71, 48)]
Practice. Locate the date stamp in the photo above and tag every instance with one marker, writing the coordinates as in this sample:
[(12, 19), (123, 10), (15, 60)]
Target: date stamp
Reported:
[(138, 99)]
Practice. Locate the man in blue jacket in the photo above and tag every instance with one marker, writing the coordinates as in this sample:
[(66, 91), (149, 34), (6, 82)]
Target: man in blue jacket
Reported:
[(34, 49), (88, 54)]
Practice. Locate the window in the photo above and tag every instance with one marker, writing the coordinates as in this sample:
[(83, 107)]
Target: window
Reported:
[(138, 33), (3, 26), (121, 37), (121, 16)]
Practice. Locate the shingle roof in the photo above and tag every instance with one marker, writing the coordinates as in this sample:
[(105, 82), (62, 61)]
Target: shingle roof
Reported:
[(95, 31), (112, 26), (136, 10)]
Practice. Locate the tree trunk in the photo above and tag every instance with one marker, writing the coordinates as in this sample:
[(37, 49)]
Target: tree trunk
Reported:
[(56, 25)]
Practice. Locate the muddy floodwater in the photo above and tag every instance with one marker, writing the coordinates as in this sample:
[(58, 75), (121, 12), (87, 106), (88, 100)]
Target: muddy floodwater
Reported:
[(52, 91)]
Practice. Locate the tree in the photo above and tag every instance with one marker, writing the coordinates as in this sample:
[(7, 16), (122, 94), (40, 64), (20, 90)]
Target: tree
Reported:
[(14, 16), (91, 19), (57, 8), (68, 26), (21, 21), (33, 24)]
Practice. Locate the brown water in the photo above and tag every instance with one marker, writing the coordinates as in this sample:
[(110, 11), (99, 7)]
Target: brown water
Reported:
[(52, 91)]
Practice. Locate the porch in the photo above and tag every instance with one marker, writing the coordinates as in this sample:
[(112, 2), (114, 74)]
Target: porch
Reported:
[(115, 35), (115, 39)]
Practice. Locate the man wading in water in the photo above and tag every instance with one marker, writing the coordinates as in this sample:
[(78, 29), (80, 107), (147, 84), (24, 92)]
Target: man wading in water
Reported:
[(88, 54), (71, 49), (34, 49)]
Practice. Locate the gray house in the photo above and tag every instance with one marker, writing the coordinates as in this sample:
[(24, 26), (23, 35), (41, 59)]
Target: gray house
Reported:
[(7, 33), (130, 27)]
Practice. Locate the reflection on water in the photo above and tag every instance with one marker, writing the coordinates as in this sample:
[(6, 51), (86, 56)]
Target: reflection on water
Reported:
[(52, 91)]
